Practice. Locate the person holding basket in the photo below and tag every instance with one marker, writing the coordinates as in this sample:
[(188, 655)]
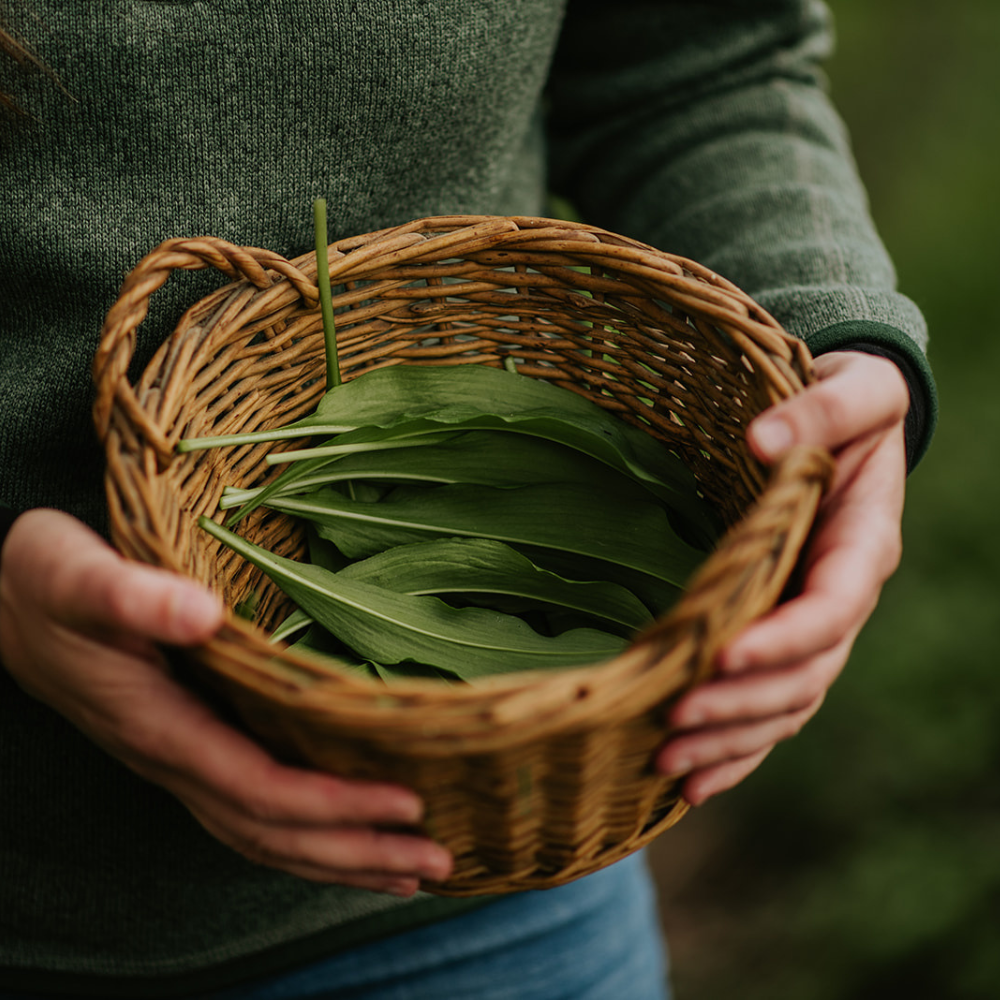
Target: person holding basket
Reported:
[(147, 846)]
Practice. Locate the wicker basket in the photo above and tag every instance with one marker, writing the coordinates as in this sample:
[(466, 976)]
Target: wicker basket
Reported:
[(530, 780)]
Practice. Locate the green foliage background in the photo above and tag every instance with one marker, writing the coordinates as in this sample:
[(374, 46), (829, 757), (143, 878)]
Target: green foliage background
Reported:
[(863, 858)]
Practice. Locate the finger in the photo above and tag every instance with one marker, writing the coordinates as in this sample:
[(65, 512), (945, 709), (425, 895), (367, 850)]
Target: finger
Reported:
[(814, 623), (327, 855), (701, 785), (169, 736), (854, 555), (757, 696), (91, 587), (706, 747), (856, 395)]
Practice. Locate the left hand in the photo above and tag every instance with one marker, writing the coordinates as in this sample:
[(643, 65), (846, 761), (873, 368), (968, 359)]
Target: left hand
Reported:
[(772, 678)]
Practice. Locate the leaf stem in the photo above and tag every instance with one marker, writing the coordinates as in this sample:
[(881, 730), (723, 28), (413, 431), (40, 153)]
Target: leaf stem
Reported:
[(325, 297)]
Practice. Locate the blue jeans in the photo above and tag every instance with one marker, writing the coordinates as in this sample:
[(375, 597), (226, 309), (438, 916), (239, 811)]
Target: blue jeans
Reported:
[(595, 939)]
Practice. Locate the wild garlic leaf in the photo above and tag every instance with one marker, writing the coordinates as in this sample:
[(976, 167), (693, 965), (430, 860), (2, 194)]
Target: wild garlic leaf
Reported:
[(567, 517), (388, 628), (656, 594), (593, 432), (407, 401), (481, 566), (403, 392), (305, 470), (484, 458)]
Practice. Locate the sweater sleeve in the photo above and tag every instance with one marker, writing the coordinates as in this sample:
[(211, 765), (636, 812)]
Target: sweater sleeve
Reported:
[(705, 129)]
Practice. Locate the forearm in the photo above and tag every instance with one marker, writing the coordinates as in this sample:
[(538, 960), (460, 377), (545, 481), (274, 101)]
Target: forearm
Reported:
[(704, 129)]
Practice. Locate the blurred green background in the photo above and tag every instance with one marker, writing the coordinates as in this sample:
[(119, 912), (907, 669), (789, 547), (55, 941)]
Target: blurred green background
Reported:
[(862, 859)]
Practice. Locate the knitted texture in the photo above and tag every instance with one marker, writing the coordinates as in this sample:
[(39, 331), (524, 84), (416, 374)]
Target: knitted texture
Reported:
[(705, 129), (699, 128)]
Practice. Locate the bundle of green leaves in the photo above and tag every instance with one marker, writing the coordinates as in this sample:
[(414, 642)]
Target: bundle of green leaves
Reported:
[(469, 520)]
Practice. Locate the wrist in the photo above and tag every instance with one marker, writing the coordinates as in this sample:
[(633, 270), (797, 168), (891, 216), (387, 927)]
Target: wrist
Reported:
[(887, 342)]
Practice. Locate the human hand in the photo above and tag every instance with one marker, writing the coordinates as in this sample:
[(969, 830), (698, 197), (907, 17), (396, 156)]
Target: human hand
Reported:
[(772, 678), (79, 628)]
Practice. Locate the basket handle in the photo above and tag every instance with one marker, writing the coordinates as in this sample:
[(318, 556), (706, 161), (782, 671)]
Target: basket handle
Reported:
[(118, 334)]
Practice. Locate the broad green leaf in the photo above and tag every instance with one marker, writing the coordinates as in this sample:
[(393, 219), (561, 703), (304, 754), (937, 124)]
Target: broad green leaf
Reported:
[(618, 530), (305, 470), (475, 565), (407, 401), (323, 648), (406, 671), (658, 595), (483, 458), (387, 627), (594, 432), (380, 398), (325, 651)]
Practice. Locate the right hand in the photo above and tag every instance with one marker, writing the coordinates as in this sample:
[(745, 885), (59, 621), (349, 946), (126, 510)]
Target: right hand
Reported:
[(79, 628)]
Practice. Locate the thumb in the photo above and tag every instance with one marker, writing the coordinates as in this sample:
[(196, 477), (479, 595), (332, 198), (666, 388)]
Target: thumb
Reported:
[(856, 395), (90, 587)]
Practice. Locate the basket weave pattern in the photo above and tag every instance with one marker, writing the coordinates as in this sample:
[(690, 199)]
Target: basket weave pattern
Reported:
[(530, 780)]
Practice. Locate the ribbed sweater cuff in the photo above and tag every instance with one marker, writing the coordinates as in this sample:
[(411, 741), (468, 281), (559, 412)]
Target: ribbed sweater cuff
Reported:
[(888, 342)]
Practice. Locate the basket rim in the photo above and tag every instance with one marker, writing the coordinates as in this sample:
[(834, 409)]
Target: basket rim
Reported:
[(520, 706)]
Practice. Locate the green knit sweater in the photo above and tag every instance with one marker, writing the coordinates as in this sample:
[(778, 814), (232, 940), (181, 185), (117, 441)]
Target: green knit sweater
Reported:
[(701, 128)]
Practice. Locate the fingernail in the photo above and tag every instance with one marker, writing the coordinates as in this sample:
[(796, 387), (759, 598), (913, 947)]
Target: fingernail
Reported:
[(733, 662), (405, 808), (197, 612), (773, 436), (668, 763), (437, 867)]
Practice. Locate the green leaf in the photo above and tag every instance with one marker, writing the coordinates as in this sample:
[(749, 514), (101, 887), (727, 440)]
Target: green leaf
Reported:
[(480, 566), (407, 401), (326, 652), (295, 622), (325, 300), (658, 595), (313, 469), (401, 392), (594, 432), (484, 458), (570, 518), (387, 627)]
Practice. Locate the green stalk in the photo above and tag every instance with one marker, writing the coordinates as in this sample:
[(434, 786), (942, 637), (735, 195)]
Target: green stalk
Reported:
[(325, 296)]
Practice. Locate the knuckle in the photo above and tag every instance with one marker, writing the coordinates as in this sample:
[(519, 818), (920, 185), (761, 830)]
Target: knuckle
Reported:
[(831, 409), (116, 599), (256, 846), (899, 396), (90, 584), (256, 802)]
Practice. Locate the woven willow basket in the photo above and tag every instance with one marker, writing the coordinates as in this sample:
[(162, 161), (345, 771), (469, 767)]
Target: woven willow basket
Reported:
[(530, 780)]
